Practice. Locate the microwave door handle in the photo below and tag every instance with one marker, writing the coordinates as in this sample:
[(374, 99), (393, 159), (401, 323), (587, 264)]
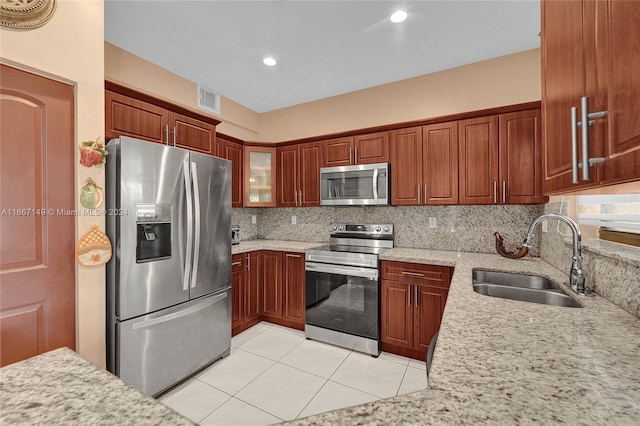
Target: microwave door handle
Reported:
[(196, 242), (375, 184), (189, 202)]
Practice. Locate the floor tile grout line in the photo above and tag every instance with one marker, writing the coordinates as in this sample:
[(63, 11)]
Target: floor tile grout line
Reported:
[(312, 398), (402, 380), (359, 390), (245, 402)]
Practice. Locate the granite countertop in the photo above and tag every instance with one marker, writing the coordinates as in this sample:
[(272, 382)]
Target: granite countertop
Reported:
[(253, 245), (60, 387), (500, 361)]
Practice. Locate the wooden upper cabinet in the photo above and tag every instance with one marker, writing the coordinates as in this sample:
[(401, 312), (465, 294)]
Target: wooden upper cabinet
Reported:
[(288, 172), (440, 163), (192, 134), (478, 160), (259, 176), (520, 158), (338, 152), (360, 149), (406, 166), (588, 49), (233, 151), (126, 116), (618, 59), (299, 175), (371, 148)]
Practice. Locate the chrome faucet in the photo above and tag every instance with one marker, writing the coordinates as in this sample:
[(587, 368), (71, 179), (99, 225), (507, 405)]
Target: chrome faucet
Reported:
[(577, 273)]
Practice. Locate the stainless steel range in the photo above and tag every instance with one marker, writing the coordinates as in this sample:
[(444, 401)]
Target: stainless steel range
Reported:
[(343, 286)]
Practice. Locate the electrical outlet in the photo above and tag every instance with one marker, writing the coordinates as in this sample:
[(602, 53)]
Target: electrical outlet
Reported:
[(294, 220), (544, 226), (433, 222), (253, 219)]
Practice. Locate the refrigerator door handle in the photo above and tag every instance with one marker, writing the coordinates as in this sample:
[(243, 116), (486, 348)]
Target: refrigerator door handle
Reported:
[(187, 262), (151, 322), (196, 242)]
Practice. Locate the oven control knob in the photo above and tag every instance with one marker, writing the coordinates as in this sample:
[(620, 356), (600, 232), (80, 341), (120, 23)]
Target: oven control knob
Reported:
[(378, 229), (342, 227), (386, 229), (334, 227)]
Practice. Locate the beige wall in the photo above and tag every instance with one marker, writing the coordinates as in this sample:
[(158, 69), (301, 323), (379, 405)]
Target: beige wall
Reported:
[(501, 81), (70, 48), (132, 71), (496, 82)]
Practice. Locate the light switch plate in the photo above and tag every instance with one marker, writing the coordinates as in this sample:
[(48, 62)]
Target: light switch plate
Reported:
[(433, 222), (253, 219), (294, 220)]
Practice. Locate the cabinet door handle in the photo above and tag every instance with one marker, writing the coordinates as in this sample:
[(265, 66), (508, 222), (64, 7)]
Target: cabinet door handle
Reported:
[(409, 295), (504, 192), (248, 263), (574, 144), (495, 192), (585, 123), (295, 194), (235, 263), (415, 300), (412, 274), (419, 187), (293, 255), (301, 198)]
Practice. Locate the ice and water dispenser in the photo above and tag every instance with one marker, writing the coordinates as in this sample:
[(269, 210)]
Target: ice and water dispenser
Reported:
[(153, 227)]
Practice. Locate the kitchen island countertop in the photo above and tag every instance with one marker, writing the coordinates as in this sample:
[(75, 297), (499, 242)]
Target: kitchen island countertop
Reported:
[(60, 387), (500, 361)]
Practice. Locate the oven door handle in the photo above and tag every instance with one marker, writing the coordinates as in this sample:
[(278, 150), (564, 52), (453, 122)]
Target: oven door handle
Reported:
[(353, 271)]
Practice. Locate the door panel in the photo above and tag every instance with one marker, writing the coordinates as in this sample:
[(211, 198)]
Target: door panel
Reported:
[(151, 175), (478, 150), (406, 166), (440, 153), (310, 163), (126, 116), (272, 284), (371, 148), (253, 288), (429, 307), (338, 152), (37, 260), (233, 152), (294, 287), (213, 257), (397, 313), (287, 176), (237, 292), (192, 134)]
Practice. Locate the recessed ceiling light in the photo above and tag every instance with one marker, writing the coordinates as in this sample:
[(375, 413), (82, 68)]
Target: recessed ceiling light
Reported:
[(269, 61), (398, 16)]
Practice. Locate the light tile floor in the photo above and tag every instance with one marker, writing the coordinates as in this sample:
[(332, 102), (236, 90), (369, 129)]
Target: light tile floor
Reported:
[(274, 374)]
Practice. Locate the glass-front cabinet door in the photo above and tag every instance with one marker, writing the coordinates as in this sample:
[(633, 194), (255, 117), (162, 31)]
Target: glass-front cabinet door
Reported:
[(259, 176)]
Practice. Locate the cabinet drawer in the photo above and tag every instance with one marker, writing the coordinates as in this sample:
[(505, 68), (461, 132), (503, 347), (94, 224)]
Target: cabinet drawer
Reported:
[(236, 262), (417, 273)]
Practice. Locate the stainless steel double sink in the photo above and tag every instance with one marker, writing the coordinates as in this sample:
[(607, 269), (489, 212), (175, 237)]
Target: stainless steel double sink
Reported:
[(526, 288)]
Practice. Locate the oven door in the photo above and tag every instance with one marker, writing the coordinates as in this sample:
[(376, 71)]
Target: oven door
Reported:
[(343, 299)]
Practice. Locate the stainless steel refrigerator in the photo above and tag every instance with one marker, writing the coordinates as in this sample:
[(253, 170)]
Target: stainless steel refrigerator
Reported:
[(169, 280)]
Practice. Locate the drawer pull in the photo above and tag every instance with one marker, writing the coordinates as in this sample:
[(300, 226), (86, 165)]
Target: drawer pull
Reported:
[(236, 263), (293, 255), (413, 274)]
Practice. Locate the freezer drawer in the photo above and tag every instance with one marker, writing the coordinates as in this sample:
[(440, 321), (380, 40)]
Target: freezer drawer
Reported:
[(158, 350)]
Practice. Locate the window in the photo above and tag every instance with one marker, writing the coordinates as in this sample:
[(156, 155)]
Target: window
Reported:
[(617, 216)]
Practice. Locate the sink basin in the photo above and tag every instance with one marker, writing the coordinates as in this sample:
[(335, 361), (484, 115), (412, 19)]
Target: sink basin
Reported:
[(512, 279), (526, 288)]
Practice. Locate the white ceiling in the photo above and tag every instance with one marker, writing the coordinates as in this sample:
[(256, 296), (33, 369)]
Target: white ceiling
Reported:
[(323, 48)]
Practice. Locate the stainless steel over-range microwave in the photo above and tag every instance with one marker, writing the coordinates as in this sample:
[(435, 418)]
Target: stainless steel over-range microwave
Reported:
[(361, 185)]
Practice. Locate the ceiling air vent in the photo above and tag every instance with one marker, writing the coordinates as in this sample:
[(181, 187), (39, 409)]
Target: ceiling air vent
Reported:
[(208, 100)]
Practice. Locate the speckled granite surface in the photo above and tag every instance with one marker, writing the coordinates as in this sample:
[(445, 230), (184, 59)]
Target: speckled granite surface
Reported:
[(252, 245), (500, 361), (61, 388)]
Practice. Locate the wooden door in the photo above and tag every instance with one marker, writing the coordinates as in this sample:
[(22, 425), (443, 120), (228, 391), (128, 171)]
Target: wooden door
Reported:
[(618, 56), (294, 289), (396, 314), (237, 294), (428, 310), (338, 152), (125, 116), (260, 176), (520, 158), (37, 261), (252, 285), (440, 163), (272, 284), (563, 51), (287, 178), (406, 167), (192, 134), (371, 148), (309, 174), (478, 151), (233, 151)]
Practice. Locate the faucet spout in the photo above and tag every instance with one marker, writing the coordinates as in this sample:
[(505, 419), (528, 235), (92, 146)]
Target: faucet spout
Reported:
[(576, 274)]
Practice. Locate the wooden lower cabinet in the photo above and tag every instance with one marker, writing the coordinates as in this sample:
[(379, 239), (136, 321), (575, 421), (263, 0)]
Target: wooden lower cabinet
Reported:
[(294, 289), (411, 309), (283, 288), (272, 284), (245, 291)]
